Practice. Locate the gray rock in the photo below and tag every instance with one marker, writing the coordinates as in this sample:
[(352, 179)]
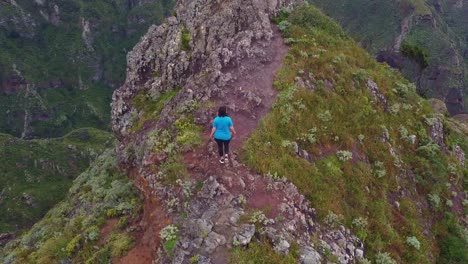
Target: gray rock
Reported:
[(204, 225), (282, 246), (204, 260), (377, 97), (436, 132), (296, 148), (308, 255), (359, 253), (245, 235), (459, 154), (213, 241)]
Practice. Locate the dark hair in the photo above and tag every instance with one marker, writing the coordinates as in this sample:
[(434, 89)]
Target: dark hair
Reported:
[(222, 111)]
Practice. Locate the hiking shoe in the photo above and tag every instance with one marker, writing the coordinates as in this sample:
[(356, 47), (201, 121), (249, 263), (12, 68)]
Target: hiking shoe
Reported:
[(221, 160), (226, 157)]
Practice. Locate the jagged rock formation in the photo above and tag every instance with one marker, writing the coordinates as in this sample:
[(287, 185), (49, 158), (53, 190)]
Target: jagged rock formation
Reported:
[(220, 38), (221, 52)]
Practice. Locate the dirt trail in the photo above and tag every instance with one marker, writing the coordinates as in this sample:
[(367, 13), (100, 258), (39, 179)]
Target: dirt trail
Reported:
[(249, 99), (153, 220)]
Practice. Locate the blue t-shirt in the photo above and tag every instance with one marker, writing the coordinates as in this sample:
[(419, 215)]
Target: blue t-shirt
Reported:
[(222, 125)]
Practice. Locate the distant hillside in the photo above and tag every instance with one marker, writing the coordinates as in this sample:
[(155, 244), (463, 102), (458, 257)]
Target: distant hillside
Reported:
[(426, 39), (61, 60), (100, 197), (36, 174)]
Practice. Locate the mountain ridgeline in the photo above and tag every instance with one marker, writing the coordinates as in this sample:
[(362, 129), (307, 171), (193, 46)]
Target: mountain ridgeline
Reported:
[(337, 158), (61, 60)]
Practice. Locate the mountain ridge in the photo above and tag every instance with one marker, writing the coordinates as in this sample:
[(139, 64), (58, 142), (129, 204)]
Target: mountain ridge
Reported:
[(333, 130)]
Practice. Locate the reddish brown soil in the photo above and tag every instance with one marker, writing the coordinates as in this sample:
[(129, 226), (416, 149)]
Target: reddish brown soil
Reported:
[(106, 230), (154, 218)]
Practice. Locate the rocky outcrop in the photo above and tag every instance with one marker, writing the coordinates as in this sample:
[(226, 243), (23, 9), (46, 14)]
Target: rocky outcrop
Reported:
[(377, 96), (436, 132), (220, 36)]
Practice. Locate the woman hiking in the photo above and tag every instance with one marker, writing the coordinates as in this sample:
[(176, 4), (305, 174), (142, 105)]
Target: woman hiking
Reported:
[(222, 128)]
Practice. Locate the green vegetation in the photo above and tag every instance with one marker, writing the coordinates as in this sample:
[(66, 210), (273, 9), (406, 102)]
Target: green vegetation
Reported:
[(35, 174), (261, 253), (149, 106), (71, 231), (362, 155), (185, 39), (169, 235), (416, 53), (55, 55)]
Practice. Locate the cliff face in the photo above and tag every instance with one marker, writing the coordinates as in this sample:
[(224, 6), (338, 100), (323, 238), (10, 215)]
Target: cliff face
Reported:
[(60, 61)]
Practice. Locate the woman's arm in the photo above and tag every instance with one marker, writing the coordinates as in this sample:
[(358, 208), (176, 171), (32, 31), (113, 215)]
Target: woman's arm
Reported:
[(213, 130), (232, 130)]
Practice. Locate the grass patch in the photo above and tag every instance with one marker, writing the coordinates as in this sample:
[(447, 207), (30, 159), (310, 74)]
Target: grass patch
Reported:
[(260, 253), (149, 106), (185, 39)]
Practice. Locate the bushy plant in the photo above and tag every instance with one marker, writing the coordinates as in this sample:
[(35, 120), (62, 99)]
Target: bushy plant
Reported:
[(404, 90), (93, 233), (185, 39), (384, 258), (325, 116), (414, 242), (169, 232), (258, 217), (449, 203), (73, 245), (284, 25), (333, 219), (434, 200), (120, 244), (344, 155), (360, 223), (429, 150), (379, 169)]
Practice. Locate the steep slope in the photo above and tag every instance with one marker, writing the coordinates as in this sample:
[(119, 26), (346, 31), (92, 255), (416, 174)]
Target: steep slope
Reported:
[(61, 60), (363, 147), (35, 174), (90, 226), (426, 40)]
